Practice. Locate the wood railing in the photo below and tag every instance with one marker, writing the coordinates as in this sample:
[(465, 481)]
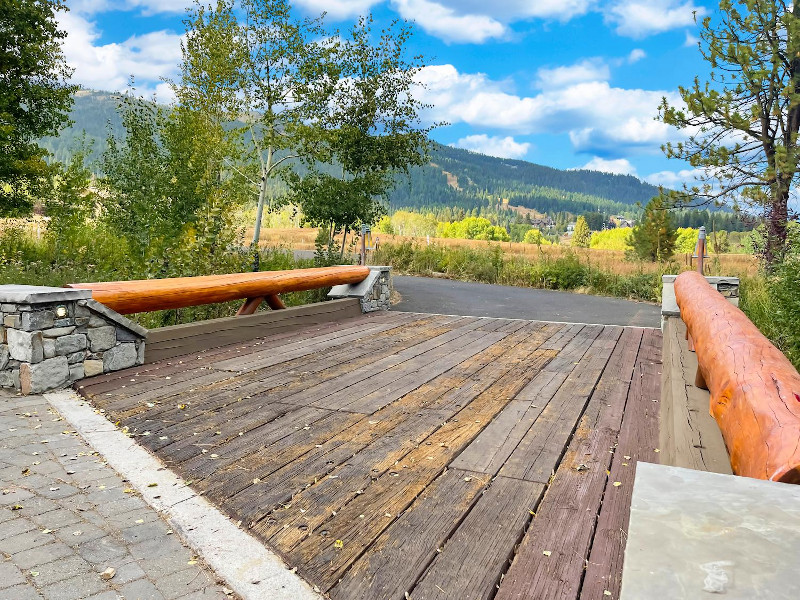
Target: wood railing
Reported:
[(128, 297), (755, 390)]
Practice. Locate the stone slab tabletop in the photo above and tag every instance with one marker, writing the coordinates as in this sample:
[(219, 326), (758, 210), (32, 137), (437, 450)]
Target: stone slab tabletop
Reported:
[(695, 534), (35, 294)]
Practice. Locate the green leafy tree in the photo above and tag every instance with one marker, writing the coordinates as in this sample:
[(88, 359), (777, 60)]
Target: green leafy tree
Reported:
[(370, 128), (34, 97), (534, 236), (655, 237), (594, 220), (582, 235), (744, 121)]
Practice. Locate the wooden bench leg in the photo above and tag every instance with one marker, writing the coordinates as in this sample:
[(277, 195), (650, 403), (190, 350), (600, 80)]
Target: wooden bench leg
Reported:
[(275, 302), (250, 306), (699, 380)]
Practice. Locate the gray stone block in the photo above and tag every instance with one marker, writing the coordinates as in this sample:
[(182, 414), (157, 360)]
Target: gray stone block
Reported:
[(25, 345), (81, 321), (35, 294), (12, 321), (63, 322), (3, 357), (76, 357), (58, 331), (76, 372), (40, 319), (92, 367), (7, 379), (125, 335), (113, 316), (140, 353), (49, 347), (69, 344), (119, 357), (44, 376), (102, 338), (8, 308), (97, 321)]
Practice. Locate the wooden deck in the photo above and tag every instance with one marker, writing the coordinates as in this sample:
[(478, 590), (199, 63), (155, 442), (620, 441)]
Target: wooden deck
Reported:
[(406, 455)]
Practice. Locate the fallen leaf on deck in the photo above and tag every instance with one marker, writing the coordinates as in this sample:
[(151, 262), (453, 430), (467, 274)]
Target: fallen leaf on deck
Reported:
[(108, 574), (546, 552), (617, 483), (338, 544)]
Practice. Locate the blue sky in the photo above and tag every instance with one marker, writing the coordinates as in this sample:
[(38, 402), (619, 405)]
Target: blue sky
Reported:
[(563, 83)]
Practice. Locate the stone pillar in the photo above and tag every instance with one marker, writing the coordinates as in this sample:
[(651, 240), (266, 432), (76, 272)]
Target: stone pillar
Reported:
[(374, 292), (52, 337)]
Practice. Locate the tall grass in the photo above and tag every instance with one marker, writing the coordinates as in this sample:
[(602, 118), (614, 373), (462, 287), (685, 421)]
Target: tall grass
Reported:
[(96, 254)]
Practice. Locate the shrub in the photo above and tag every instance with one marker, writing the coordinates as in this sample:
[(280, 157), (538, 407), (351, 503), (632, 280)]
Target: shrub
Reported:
[(611, 239)]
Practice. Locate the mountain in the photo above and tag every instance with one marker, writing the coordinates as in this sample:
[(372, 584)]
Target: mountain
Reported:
[(453, 178)]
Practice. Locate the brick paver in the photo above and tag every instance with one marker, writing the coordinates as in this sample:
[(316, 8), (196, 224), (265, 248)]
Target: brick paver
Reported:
[(66, 517)]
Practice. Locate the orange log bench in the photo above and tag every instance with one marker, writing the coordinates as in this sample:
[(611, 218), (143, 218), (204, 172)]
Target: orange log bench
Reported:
[(128, 297), (755, 390)]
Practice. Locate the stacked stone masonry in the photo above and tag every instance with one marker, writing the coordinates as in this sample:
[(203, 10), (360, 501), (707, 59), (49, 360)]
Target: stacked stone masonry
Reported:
[(50, 338), (379, 296)]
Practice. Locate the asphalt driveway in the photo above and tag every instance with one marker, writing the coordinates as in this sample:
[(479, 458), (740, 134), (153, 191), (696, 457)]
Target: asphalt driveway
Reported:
[(444, 296)]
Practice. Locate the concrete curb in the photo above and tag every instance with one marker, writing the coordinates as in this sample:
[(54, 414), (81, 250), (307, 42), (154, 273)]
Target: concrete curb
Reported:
[(249, 568)]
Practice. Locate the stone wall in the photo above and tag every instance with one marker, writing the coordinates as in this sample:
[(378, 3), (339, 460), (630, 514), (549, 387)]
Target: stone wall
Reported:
[(374, 292), (52, 337)]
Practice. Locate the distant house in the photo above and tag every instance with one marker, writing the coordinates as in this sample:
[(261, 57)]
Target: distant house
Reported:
[(571, 228), (620, 221), (545, 223)]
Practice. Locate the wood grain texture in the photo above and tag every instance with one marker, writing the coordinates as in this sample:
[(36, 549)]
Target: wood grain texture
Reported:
[(366, 451), (565, 520), (755, 390), (128, 297), (689, 435), (637, 441)]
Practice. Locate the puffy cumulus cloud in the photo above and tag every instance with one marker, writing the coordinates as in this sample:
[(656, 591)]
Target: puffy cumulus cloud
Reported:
[(147, 57), (145, 7), (337, 9), (600, 119), (513, 10), (636, 55), (448, 24), (502, 147), (476, 21), (620, 166), (592, 69), (640, 18), (675, 179)]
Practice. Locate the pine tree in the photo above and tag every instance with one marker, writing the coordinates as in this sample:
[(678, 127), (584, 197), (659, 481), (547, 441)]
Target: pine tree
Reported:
[(582, 234), (654, 238)]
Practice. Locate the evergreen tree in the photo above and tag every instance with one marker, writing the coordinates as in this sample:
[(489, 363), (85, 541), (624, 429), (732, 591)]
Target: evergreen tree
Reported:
[(581, 235), (744, 122), (654, 238)]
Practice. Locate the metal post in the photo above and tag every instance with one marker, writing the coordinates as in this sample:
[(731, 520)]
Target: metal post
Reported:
[(700, 250)]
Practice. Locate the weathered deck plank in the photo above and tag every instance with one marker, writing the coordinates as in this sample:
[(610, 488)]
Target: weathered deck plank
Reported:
[(637, 441), (565, 520), (404, 454)]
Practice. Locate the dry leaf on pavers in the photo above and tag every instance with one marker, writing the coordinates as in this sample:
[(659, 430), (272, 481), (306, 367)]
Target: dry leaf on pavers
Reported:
[(108, 574)]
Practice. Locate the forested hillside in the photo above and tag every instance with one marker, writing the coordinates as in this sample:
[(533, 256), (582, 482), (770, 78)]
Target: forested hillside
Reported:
[(455, 178)]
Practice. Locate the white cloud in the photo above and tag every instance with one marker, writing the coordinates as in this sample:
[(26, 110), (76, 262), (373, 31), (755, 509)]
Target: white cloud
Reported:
[(512, 10), (620, 166), (636, 55), (691, 41), (674, 179), (338, 9), (145, 7), (592, 69), (640, 18), (601, 120), (449, 25), (147, 57), (503, 147)]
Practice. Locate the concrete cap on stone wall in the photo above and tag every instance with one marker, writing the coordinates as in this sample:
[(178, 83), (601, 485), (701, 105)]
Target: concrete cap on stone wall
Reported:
[(36, 294)]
